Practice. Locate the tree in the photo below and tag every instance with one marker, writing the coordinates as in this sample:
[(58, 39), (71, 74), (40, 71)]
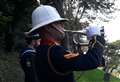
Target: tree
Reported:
[(76, 10), (15, 18), (112, 56)]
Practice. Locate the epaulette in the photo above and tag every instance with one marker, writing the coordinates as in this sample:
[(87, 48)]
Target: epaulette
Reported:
[(71, 55)]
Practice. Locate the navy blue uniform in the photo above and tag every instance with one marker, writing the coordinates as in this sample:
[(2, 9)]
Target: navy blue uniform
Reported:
[(52, 65), (26, 61)]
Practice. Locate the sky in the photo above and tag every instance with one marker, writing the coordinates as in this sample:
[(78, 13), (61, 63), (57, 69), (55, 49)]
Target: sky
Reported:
[(112, 28)]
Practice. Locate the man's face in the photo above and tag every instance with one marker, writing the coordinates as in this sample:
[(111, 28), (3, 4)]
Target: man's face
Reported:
[(54, 31), (59, 26), (36, 42)]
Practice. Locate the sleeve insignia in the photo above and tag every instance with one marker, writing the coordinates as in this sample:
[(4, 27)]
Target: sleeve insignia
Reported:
[(71, 55)]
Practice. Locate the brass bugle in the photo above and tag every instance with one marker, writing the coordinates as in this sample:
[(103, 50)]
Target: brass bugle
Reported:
[(82, 32), (83, 44)]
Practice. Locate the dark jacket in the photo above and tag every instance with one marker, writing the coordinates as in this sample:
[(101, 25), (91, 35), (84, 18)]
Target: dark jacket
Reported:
[(26, 61), (52, 65)]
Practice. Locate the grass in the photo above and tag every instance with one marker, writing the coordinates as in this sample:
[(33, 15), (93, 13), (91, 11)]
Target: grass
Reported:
[(93, 76)]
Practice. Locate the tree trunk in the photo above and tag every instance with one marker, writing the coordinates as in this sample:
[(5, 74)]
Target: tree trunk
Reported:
[(8, 40), (58, 4)]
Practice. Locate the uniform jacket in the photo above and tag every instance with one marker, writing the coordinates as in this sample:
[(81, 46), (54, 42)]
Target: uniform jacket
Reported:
[(26, 61), (54, 63)]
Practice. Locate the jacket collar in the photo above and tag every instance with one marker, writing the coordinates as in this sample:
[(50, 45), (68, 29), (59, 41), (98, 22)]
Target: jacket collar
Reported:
[(48, 42)]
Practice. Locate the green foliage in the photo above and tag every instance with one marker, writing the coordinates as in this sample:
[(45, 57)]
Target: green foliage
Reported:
[(4, 21), (116, 43), (113, 52), (15, 18), (112, 56), (10, 70)]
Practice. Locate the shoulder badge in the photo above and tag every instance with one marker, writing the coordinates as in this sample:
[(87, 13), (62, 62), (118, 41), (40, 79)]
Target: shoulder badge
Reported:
[(71, 55)]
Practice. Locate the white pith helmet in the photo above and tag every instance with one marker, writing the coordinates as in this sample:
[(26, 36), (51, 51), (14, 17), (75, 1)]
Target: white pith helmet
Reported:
[(44, 15)]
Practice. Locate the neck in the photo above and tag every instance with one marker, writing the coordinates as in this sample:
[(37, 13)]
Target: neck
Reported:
[(30, 46)]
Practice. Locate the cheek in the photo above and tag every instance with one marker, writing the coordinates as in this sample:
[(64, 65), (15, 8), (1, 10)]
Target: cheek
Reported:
[(38, 42)]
